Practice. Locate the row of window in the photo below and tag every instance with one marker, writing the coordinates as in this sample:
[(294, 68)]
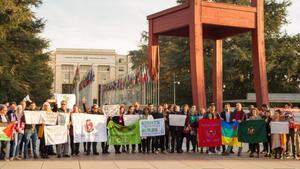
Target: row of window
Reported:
[(68, 72)]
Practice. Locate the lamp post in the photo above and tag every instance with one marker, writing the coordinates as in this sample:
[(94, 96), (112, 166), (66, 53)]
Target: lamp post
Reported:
[(174, 88)]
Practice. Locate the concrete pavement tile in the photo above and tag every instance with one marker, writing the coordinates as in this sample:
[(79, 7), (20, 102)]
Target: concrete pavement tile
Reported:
[(69, 164), (172, 164), (86, 164), (142, 164), (276, 164), (203, 164), (23, 165)]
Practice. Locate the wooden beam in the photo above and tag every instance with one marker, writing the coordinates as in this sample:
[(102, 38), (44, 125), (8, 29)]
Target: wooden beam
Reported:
[(196, 55), (218, 74), (258, 58)]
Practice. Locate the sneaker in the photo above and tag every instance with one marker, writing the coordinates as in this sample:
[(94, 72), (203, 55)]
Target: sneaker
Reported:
[(67, 156), (11, 159)]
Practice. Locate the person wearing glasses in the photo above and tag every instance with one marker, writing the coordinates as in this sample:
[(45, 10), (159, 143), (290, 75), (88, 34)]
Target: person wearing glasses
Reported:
[(63, 149)]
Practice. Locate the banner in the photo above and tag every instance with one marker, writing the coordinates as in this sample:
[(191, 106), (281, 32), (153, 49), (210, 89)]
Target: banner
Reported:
[(111, 110), (209, 133), (55, 134), (230, 134), (70, 99), (123, 135), (33, 117), (252, 131), (63, 119), (279, 127), (130, 119), (177, 120), (154, 127), (89, 128), (49, 118)]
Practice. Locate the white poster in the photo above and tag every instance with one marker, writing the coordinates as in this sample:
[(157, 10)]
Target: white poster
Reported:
[(89, 128), (70, 99), (63, 119), (154, 127), (49, 118), (177, 120), (111, 110), (130, 119), (33, 117), (279, 127), (55, 134)]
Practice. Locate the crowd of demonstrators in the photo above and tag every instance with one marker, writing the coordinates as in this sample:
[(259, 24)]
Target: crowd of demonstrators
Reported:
[(24, 143)]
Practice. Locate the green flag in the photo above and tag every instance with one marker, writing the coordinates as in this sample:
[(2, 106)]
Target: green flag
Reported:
[(252, 131), (123, 135)]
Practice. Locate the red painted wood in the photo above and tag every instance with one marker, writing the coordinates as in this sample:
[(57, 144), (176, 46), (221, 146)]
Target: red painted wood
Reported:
[(196, 56), (217, 75)]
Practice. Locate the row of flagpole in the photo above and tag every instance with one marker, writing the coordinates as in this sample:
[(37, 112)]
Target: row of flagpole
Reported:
[(135, 87)]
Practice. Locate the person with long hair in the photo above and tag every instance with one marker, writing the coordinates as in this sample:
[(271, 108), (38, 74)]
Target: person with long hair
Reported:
[(43, 147), (278, 141), (254, 147), (146, 140), (19, 119), (119, 120)]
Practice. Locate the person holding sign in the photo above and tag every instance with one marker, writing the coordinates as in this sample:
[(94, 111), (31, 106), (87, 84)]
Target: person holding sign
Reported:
[(138, 111), (63, 149), (131, 111), (176, 133), (94, 110), (119, 120), (278, 140), (43, 147), (158, 141), (146, 140), (3, 119), (74, 146), (192, 124), (254, 147), (19, 119), (30, 133)]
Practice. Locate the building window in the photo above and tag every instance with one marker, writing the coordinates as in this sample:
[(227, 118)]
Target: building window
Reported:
[(103, 74), (67, 88), (67, 74), (83, 70), (121, 69), (121, 60)]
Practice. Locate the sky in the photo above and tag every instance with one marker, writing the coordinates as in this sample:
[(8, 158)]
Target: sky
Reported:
[(113, 24)]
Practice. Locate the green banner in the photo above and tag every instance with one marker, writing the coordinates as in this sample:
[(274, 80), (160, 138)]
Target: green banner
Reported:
[(123, 135), (252, 131)]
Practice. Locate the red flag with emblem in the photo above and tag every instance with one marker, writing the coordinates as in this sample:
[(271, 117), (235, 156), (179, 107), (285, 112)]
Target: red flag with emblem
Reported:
[(209, 133)]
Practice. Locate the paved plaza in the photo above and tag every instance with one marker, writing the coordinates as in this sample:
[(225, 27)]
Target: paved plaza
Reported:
[(154, 161)]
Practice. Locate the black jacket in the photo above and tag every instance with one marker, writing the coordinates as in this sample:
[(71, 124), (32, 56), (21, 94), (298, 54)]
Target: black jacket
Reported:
[(223, 116)]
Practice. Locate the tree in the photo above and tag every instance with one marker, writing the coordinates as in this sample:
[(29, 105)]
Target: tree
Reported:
[(24, 65)]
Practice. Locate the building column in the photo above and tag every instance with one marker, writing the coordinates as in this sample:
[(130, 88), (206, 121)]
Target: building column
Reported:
[(217, 73), (258, 56), (196, 56)]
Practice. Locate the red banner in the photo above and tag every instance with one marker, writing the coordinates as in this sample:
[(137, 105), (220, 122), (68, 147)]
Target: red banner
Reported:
[(209, 133)]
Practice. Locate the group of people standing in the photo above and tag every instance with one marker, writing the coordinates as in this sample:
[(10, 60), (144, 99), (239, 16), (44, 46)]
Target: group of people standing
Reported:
[(25, 138)]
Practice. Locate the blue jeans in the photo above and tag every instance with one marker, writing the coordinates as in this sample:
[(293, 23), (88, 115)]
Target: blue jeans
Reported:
[(30, 135), (14, 145)]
